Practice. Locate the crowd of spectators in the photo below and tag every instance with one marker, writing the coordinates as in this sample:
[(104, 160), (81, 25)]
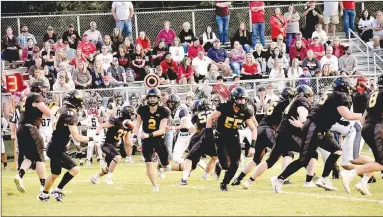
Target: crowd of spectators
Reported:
[(178, 55)]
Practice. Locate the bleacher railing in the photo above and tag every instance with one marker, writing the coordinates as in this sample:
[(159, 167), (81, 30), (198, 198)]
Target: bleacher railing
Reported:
[(377, 69), (358, 44), (152, 21)]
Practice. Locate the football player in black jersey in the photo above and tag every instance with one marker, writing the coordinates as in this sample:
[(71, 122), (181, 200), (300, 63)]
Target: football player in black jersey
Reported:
[(333, 106), (372, 133), (287, 139), (230, 116), (198, 145), (154, 119), (66, 126), (118, 128), (30, 141), (266, 131)]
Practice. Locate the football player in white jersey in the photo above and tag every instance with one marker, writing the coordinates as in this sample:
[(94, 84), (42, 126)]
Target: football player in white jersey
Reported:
[(181, 123), (93, 120), (46, 128)]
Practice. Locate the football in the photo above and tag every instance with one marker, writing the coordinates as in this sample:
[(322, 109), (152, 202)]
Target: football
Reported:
[(128, 125)]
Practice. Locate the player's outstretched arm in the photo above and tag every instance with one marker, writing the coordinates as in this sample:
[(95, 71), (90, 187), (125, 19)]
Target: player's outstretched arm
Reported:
[(103, 126), (348, 115), (76, 135), (211, 118)]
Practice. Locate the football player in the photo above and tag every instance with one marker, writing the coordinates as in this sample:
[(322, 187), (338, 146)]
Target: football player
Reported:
[(66, 125), (266, 131), (333, 106), (31, 143), (118, 128), (372, 133), (229, 117)]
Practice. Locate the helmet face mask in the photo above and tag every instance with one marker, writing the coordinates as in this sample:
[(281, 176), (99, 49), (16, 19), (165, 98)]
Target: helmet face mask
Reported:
[(153, 97), (239, 97), (173, 101)]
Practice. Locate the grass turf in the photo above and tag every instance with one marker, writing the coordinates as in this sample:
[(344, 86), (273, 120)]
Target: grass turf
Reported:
[(132, 195)]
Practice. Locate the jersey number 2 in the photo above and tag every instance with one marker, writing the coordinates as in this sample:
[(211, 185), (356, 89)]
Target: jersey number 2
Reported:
[(152, 124)]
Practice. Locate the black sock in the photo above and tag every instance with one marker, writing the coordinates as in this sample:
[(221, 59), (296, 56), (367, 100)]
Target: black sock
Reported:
[(5, 164), (252, 179), (21, 173), (331, 160), (45, 192), (309, 178), (67, 177), (42, 182), (241, 176), (290, 169)]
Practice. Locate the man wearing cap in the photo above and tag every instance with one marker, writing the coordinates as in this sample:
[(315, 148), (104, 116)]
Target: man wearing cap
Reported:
[(71, 36), (219, 57), (23, 37), (195, 48), (94, 35), (299, 36), (88, 48), (50, 36)]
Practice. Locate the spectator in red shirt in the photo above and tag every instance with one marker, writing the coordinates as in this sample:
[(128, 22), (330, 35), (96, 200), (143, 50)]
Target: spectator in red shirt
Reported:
[(169, 67), (278, 24), (298, 51), (185, 72), (59, 44), (258, 22), (317, 48), (144, 41), (298, 36), (337, 48), (250, 69), (195, 48), (347, 8), (88, 48), (167, 34), (221, 89), (79, 57)]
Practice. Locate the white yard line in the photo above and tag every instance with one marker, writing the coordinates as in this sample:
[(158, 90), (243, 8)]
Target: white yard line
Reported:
[(198, 187)]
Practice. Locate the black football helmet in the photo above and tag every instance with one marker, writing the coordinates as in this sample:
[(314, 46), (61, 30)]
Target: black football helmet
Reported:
[(173, 99), (134, 99), (75, 99), (204, 105), (216, 99), (304, 91), (288, 93), (39, 86), (380, 81), (126, 113), (153, 92), (238, 93), (195, 105), (343, 84)]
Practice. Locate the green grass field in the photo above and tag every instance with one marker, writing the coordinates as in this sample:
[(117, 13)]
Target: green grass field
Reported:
[(132, 195)]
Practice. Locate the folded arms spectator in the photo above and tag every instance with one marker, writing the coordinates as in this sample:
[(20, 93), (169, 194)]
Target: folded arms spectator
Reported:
[(377, 26), (93, 34), (50, 36), (317, 48), (144, 41), (298, 51), (260, 56), (71, 36)]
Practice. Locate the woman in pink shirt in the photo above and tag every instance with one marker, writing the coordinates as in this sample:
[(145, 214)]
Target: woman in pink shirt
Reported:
[(185, 72), (237, 56), (166, 33)]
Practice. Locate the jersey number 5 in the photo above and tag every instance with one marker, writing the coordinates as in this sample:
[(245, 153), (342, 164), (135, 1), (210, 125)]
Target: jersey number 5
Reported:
[(232, 123), (152, 124), (372, 101), (94, 123)]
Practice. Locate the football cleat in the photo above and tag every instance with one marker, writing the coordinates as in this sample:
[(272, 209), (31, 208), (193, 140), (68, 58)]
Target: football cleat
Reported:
[(326, 184), (58, 195), (217, 171), (309, 185), (363, 189), (372, 180), (287, 182), (276, 184), (43, 197), (223, 187), (347, 177), (206, 176), (236, 182), (94, 180), (156, 188), (19, 184), (109, 181), (246, 185), (129, 160), (183, 182)]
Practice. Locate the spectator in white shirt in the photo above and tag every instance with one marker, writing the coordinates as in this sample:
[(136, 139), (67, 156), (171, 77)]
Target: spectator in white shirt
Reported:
[(208, 38), (365, 26), (105, 57), (322, 36), (123, 13), (377, 25), (295, 70), (94, 35), (330, 59), (278, 73), (177, 51), (200, 64)]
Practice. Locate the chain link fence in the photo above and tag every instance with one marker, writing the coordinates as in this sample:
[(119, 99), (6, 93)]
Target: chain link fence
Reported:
[(152, 22)]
